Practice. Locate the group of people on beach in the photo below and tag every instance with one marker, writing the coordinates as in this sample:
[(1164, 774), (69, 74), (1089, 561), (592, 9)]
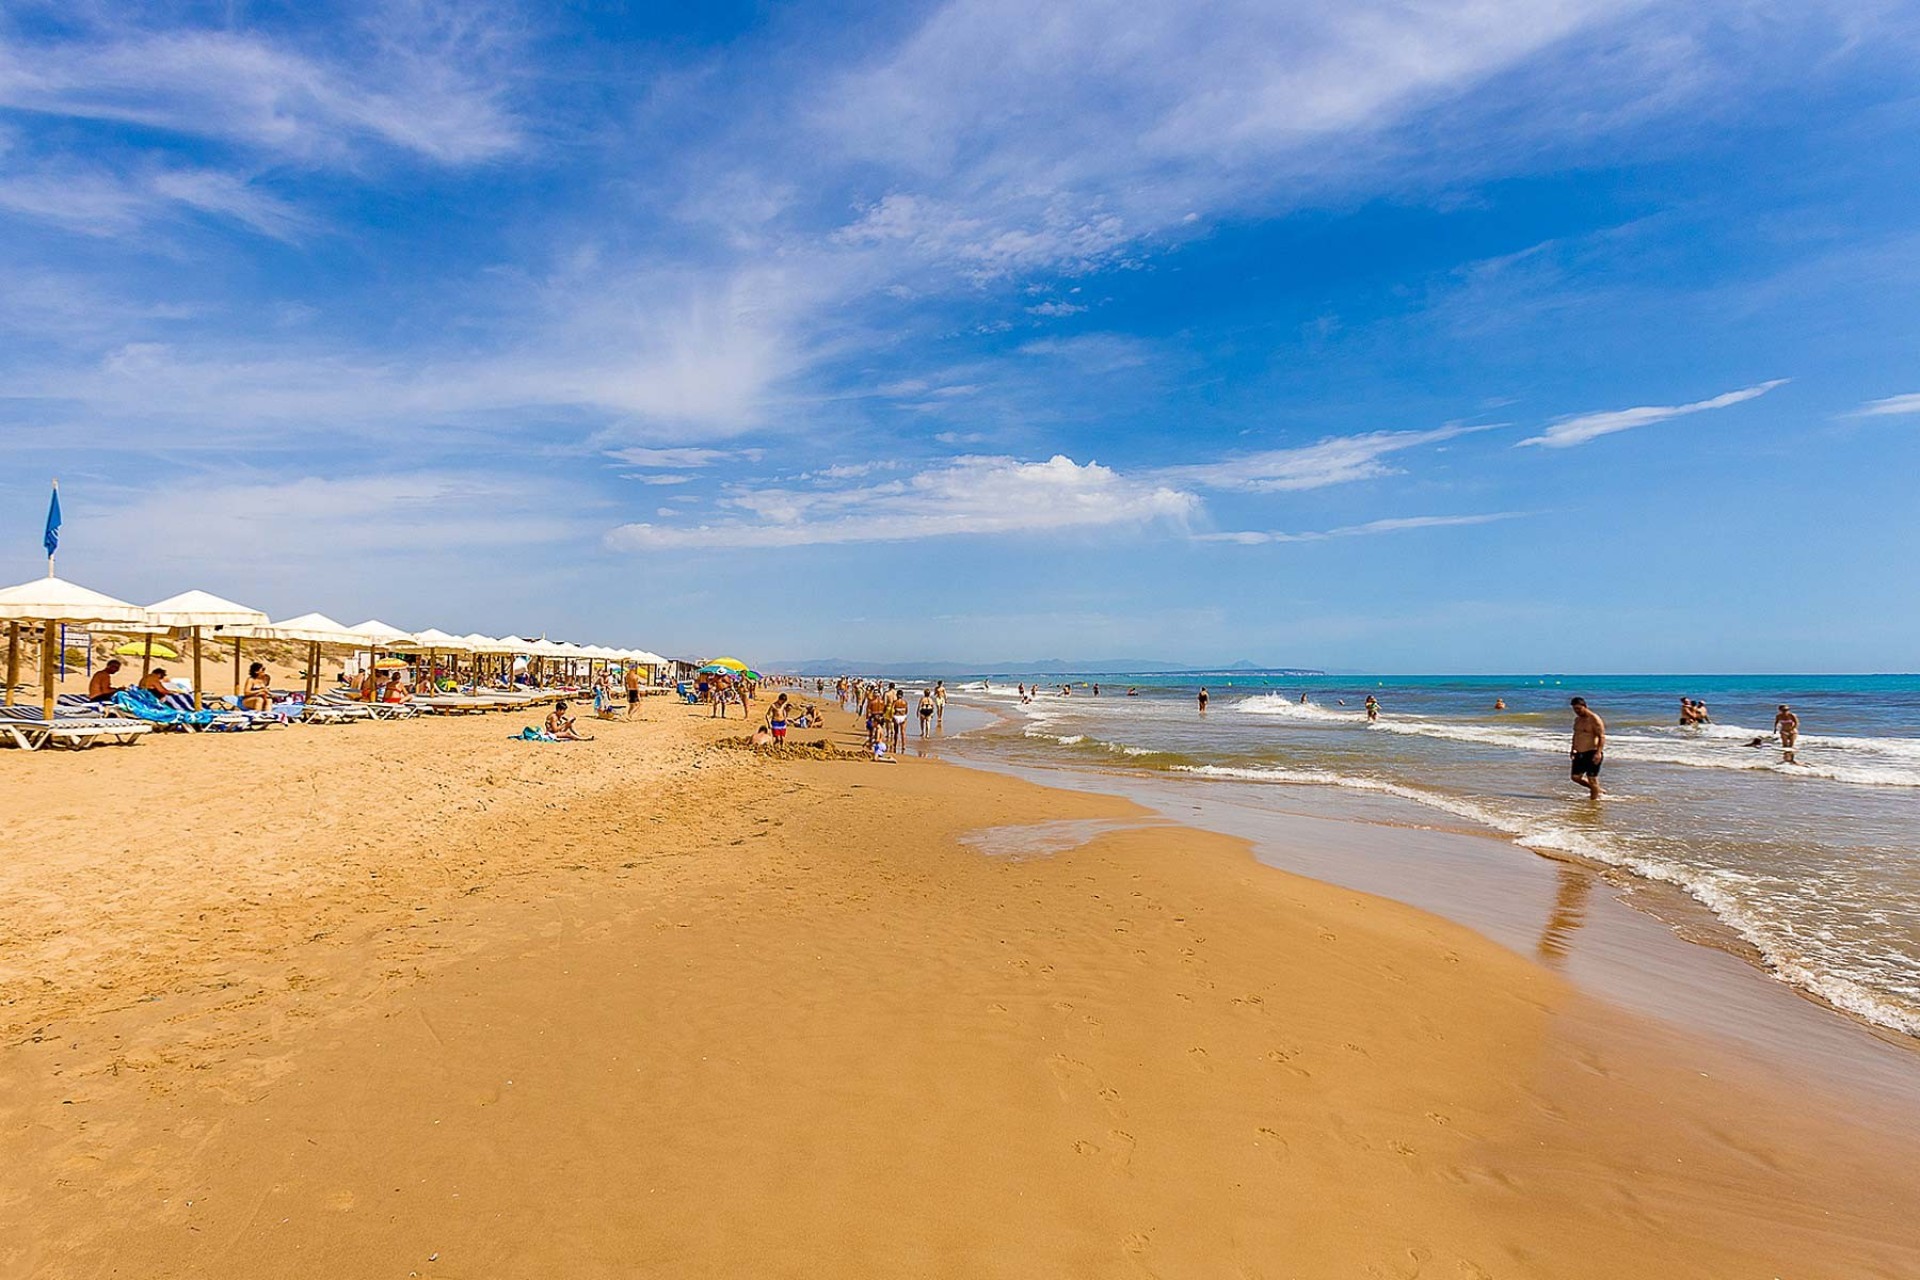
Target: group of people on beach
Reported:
[(887, 709)]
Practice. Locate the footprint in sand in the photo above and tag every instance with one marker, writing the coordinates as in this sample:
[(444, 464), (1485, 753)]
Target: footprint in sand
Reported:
[(1285, 1058), (1271, 1141), (1072, 1074), (1199, 1059)]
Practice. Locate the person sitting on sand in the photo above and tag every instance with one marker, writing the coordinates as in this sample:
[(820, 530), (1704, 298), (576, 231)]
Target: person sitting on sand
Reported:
[(256, 692), (155, 682), (560, 726), (101, 688)]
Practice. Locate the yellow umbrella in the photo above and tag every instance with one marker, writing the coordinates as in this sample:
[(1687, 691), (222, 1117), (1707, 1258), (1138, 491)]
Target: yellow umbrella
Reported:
[(138, 648)]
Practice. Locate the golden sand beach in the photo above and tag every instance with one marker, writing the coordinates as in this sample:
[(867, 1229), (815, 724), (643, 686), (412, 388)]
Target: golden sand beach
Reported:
[(415, 1000)]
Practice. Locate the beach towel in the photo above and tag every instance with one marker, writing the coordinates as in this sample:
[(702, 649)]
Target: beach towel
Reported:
[(532, 734)]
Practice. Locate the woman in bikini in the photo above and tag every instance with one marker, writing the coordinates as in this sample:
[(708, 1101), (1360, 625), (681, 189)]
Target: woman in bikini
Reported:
[(257, 693)]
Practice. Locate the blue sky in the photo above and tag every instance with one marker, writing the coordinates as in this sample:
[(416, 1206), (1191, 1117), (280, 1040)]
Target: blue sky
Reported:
[(1493, 335)]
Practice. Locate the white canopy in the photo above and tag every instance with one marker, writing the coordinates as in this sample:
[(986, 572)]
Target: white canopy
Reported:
[(57, 600), (437, 642), (203, 609), (379, 634), (477, 643), (310, 626)]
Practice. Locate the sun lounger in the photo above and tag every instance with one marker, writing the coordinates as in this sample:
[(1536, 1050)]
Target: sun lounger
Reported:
[(28, 729), (378, 710), (224, 717)]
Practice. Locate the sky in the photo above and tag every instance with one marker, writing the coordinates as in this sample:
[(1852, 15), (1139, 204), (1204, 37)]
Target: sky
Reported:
[(1485, 336)]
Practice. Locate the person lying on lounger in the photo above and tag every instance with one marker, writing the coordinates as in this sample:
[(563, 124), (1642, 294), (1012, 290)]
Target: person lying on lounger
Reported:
[(560, 725)]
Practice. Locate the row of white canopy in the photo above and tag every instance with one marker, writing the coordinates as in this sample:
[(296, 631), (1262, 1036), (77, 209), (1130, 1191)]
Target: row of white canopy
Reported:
[(50, 600)]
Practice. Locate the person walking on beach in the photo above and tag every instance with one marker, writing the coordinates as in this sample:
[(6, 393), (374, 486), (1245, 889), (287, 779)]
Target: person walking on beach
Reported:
[(1589, 746), (926, 710), (1787, 725), (1203, 699), (939, 703), (633, 690), (899, 720)]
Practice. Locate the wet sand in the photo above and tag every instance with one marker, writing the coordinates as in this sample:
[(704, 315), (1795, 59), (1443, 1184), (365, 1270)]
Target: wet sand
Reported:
[(405, 999)]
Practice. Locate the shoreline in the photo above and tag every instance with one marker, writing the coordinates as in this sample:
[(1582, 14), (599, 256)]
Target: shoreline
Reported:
[(729, 1013), (1677, 907)]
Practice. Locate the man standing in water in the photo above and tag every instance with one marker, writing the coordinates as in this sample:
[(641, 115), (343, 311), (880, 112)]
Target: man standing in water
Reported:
[(1787, 725), (1589, 747)]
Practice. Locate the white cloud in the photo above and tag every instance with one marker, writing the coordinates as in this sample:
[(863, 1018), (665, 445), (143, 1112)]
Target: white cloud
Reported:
[(1890, 406), (680, 458), (1394, 524), (1568, 432), (314, 521), (967, 495), (1336, 460), (422, 81), (1018, 138)]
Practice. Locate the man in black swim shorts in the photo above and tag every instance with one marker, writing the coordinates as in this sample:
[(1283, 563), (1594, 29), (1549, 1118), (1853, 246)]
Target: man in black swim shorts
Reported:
[(1589, 747)]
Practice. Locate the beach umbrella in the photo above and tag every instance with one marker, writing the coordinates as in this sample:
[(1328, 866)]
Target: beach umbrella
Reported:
[(194, 610), (316, 629), (147, 648), (378, 634), (727, 664), (51, 601), (432, 643)]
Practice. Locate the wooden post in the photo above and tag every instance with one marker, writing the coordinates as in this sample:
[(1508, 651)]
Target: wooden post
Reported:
[(313, 670), (13, 659), (146, 659), (196, 668), (46, 669), (236, 666)]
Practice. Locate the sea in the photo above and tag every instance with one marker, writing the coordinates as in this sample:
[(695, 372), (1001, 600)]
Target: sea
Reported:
[(1814, 864)]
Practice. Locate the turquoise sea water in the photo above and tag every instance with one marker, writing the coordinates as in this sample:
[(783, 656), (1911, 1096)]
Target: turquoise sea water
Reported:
[(1817, 864)]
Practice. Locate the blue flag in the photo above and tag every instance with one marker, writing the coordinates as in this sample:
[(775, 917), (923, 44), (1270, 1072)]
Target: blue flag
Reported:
[(52, 540)]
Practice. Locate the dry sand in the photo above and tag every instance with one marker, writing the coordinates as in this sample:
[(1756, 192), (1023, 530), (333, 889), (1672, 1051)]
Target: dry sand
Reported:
[(412, 999)]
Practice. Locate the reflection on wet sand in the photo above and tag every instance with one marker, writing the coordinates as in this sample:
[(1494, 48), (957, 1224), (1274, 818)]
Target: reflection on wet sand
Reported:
[(1572, 888)]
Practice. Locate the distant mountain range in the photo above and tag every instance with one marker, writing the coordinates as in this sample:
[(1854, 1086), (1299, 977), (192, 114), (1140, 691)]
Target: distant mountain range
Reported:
[(1031, 667)]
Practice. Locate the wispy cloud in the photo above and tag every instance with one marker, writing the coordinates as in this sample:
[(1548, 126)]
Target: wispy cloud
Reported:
[(1889, 407), (417, 79), (680, 458), (1335, 460), (1568, 432), (1395, 524), (962, 496)]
